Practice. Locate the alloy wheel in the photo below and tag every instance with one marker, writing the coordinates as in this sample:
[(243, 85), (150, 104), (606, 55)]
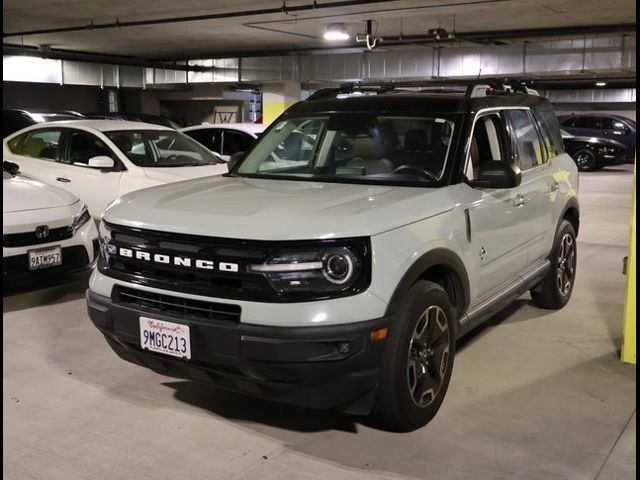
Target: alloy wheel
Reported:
[(566, 266), (428, 357)]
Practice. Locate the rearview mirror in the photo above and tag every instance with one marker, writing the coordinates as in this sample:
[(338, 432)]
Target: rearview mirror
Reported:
[(101, 161), (497, 174), (234, 160), (10, 167)]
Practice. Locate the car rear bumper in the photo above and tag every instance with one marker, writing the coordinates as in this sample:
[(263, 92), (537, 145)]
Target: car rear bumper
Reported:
[(318, 367)]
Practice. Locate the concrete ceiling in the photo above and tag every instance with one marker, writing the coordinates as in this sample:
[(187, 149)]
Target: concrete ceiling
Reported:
[(280, 31)]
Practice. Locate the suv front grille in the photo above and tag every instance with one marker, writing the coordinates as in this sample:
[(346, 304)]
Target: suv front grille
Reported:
[(169, 304), (211, 283), (24, 239)]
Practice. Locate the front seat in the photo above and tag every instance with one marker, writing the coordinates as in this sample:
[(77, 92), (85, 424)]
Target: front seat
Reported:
[(369, 156)]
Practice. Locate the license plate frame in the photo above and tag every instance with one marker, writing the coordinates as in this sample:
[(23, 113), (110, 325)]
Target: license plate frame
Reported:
[(165, 337), (52, 254)]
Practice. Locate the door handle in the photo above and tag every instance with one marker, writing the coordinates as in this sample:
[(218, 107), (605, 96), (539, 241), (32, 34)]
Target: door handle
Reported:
[(519, 201), (62, 179)]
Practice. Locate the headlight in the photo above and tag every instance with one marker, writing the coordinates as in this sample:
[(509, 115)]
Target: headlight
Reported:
[(605, 150), (80, 219), (319, 272), (105, 237)]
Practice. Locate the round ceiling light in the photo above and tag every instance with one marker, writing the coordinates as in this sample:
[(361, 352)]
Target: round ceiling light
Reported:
[(336, 32)]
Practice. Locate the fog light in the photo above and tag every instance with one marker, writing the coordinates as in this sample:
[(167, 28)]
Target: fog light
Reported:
[(344, 347)]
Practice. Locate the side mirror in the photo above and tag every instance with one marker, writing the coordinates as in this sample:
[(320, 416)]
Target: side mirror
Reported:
[(10, 167), (101, 161), (234, 160), (497, 174)]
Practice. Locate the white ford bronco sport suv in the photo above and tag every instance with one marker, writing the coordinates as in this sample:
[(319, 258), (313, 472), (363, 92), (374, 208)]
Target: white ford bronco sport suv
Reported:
[(339, 273)]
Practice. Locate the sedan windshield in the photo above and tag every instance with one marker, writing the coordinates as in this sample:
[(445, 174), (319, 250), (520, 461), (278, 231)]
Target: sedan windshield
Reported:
[(161, 148), (354, 147)]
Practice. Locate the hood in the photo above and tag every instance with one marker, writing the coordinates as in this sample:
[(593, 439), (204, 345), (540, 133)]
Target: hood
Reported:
[(173, 174), (20, 194), (233, 207)]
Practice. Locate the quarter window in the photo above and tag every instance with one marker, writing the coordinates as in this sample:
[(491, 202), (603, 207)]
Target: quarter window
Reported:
[(42, 144), (530, 150)]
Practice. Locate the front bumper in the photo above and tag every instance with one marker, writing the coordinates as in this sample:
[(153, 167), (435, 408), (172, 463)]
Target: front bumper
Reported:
[(305, 366)]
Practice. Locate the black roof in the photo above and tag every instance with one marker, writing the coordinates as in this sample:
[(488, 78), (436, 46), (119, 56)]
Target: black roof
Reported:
[(408, 101)]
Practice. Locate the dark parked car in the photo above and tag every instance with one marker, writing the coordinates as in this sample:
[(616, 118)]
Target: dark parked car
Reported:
[(15, 119), (135, 117), (613, 127), (591, 153)]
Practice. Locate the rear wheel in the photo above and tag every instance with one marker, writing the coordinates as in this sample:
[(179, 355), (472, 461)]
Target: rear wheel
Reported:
[(585, 160), (555, 289), (418, 360)]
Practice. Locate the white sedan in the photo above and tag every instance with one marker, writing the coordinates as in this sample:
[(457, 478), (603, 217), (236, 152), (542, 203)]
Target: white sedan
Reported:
[(47, 234), (100, 160), (225, 139)]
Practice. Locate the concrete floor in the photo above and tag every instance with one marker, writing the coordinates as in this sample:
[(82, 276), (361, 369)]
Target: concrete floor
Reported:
[(534, 395)]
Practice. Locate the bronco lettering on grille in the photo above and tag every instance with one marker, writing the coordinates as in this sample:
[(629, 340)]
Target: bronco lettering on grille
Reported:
[(176, 260)]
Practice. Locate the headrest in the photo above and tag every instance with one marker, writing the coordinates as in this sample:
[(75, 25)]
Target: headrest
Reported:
[(366, 147)]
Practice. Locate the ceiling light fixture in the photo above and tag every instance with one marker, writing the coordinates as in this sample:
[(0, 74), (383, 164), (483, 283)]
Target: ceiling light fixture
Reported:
[(601, 84), (336, 32)]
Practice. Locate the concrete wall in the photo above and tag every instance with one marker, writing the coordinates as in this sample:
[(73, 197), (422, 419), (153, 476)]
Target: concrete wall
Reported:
[(51, 96)]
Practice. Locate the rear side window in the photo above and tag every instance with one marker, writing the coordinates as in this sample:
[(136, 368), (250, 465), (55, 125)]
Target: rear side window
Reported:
[(235, 142), (209, 137), (529, 148), (587, 122), (551, 129), (42, 144)]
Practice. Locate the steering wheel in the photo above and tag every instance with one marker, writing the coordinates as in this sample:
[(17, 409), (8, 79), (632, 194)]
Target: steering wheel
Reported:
[(408, 169)]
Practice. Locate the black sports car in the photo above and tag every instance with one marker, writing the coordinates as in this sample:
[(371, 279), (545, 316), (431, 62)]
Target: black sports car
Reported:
[(592, 153)]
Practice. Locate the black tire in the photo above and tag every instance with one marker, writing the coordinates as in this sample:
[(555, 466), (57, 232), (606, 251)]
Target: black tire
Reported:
[(585, 159), (554, 291), (418, 360)]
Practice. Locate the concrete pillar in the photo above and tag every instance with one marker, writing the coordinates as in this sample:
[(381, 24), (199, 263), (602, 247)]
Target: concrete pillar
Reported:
[(277, 97), (628, 353)]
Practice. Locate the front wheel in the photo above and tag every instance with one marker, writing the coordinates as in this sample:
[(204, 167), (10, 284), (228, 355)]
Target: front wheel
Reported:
[(585, 160), (418, 360), (555, 289)]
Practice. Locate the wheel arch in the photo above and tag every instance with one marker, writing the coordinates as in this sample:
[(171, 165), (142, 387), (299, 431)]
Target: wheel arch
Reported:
[(441, 266), (571, 213)]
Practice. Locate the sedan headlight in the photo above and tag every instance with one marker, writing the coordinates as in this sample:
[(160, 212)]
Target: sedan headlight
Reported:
[(80, 219), (328, 270)]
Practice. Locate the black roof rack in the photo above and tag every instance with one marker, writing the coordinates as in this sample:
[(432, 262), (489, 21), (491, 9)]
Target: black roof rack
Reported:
[(468, 88)]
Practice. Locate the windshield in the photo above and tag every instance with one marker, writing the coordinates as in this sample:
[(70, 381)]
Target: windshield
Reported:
[(354, 147), (161, 148)]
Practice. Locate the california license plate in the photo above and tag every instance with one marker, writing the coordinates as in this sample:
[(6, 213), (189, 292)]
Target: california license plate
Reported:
[(165, 337), (45, 258)]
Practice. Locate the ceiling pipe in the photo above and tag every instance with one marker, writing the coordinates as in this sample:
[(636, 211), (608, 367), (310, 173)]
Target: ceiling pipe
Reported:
[(284, 9)]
